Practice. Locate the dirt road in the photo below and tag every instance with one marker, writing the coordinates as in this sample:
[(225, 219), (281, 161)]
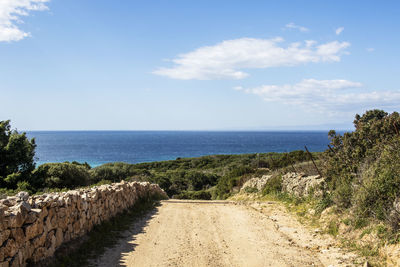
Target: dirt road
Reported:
[(198, 233)]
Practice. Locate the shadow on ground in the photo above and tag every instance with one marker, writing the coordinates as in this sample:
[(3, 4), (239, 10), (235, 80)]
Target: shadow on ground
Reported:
[(126, 242), (119, 233)]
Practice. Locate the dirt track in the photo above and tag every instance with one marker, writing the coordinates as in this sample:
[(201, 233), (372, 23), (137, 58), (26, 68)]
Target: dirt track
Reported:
[(197, 233)]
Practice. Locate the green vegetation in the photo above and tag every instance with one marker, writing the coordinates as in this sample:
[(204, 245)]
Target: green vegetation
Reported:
[(60, 175), (333, 228), (273, 186), (363, 167), (208, 177), (362, 170), (202, 194), (16, 157)]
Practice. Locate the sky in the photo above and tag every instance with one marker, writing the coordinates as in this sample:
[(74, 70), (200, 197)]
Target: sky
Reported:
[(196, 65)]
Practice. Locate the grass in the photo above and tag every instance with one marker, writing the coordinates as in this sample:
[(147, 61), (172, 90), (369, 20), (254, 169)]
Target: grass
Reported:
[(360, 223), (369, 252), (250, 190), (333, 228), (81, 251)]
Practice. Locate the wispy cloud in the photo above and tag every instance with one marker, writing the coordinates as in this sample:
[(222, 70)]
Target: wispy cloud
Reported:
[(291, 25), (370, 49), (326, 95), (339, 30), (11, 12), (226, 60)]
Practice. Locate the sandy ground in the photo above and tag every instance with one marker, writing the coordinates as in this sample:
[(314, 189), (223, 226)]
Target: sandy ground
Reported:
[(218, 233)]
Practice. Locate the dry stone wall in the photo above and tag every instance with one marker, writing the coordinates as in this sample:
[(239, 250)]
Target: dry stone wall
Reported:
[(256, 182), (32, 228), (301, 185)]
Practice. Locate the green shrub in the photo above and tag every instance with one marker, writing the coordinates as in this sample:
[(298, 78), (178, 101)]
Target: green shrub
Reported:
[(60, 175), (333, 228), (273, 185), (204, 195), (250, 190), (323, 203), (380, 183), (363, 167), (117, 171)]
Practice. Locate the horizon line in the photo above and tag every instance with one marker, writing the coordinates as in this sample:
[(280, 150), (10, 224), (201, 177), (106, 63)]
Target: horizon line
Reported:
[(207, 130)]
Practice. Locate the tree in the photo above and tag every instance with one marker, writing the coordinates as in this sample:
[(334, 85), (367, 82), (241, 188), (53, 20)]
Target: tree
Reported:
[(16, 156)]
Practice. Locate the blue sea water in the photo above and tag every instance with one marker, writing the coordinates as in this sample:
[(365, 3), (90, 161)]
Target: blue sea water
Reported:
[(99, 147)]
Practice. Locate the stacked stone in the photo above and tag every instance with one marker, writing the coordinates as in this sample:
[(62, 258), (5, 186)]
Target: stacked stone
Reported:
[(300, 185), (256, 182), (32, 228)]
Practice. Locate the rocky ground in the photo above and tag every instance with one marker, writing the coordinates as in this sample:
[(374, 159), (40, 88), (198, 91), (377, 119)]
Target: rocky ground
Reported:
[(220, 233)]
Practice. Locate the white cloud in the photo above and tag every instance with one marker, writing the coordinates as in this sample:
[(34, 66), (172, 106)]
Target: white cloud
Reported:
[(297, 27), (11, 12), (339, 30), (326, 95), (226, 60), (370, 49)]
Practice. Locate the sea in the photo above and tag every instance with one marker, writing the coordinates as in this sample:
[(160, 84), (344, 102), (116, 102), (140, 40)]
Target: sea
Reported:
[(99, 147)]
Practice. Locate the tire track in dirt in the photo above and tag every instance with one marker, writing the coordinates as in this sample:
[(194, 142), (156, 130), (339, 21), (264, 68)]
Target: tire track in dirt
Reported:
[(201, 233)]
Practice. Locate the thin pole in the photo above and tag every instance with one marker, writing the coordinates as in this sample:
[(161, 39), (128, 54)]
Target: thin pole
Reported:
[(315, 165)]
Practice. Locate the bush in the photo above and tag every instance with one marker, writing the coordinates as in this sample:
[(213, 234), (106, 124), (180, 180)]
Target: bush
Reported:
[(380, 183), (117, 171), (60, 175), (273, 185), (231, 180), (250, 190), (363, 167), (204, 195)]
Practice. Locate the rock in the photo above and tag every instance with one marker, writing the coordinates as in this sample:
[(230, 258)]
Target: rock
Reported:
[(39, 240), (298, 184), (39, 254), (3, 208), (59, 237), (33, 230), (257, 183), (9, 202), (4, 236), (50, 244), (33, 215), (10, 248), (25, 206), (18, 235), (23, 196), (14, 219)]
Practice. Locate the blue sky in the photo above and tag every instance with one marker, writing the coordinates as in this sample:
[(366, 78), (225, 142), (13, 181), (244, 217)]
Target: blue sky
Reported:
[(204, 65)]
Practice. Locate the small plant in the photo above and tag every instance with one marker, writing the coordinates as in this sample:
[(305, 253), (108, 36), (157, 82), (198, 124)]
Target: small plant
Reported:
[(250, 190), (382, 231), (367, 231), (273, 185), (347, 221), (333, 228), (323, 203), (360, 223)]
